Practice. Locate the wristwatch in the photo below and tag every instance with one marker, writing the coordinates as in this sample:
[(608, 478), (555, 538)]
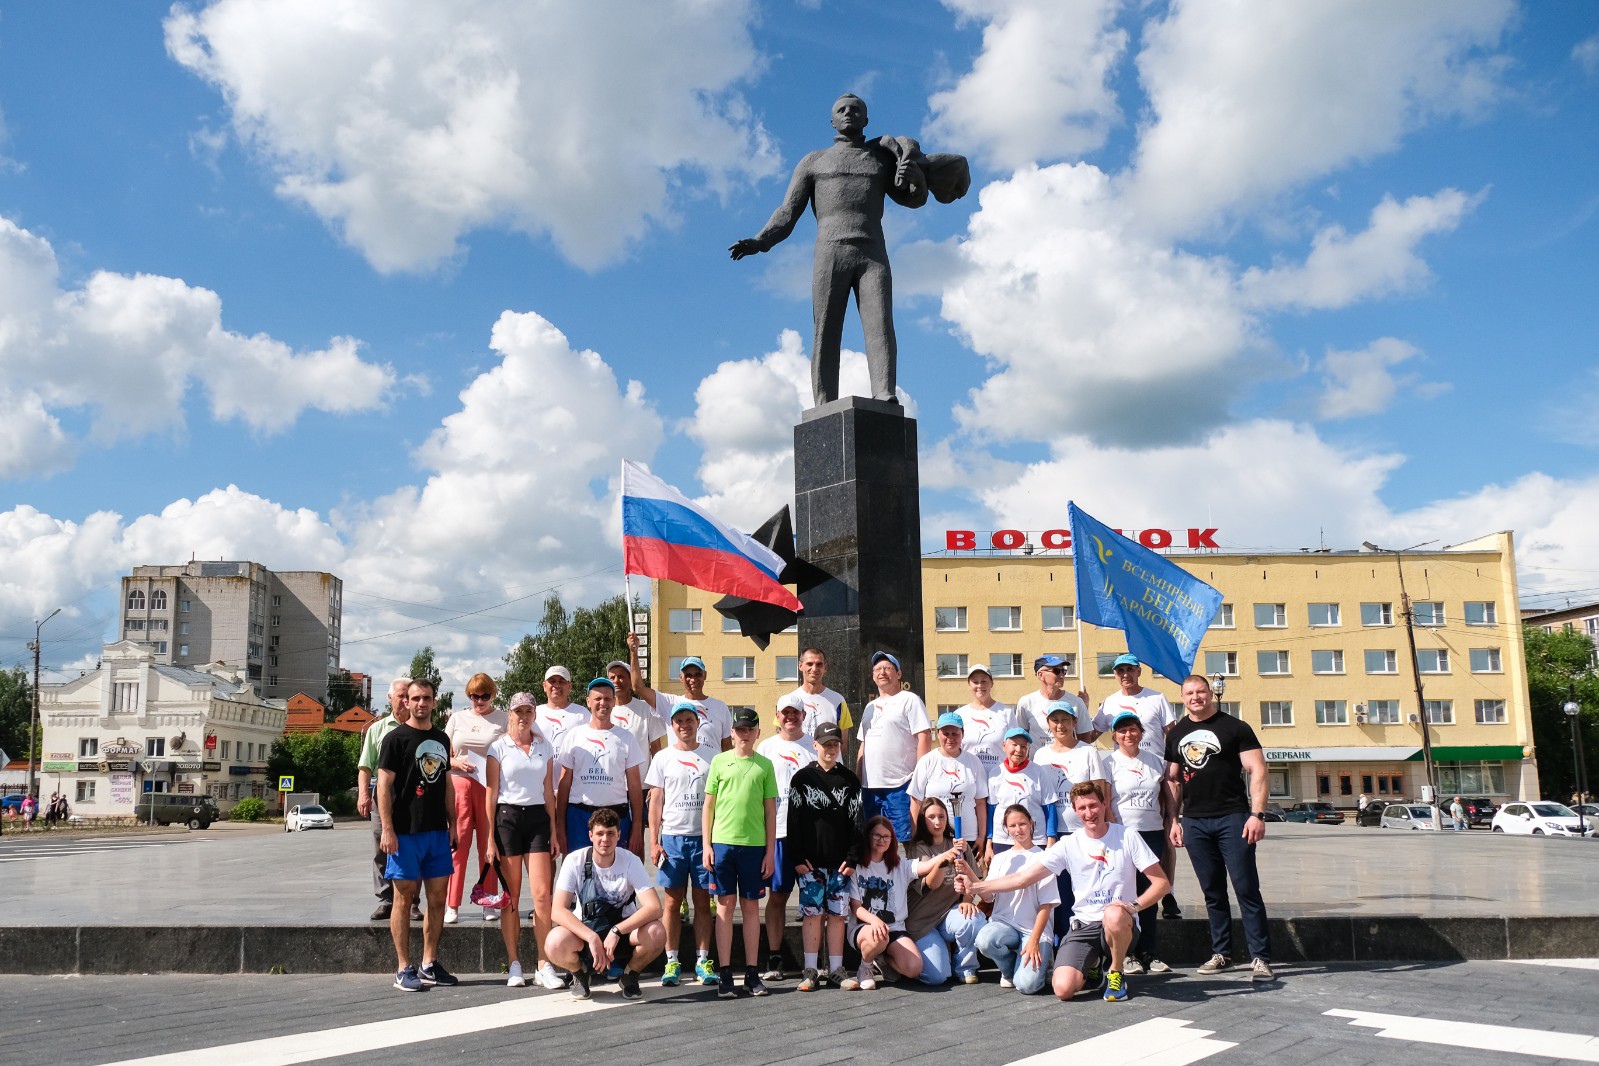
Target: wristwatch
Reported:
[(1258, 814)]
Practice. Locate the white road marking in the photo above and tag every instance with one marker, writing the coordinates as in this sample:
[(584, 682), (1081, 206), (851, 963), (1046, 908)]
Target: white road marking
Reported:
[(373, 1036), (1565, 964), (1156, 1042), (1503, 1038)]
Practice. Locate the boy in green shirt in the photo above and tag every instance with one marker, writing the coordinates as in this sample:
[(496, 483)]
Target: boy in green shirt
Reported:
[(740, 824)]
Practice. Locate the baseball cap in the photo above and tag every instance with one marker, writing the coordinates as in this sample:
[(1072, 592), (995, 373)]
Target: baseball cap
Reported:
[(1017, 731), (978, 668), (827, 731), (558, 671), (1126, 660), (791, 702), (1126, 718), (521, 699), (685, 707), (951, 719), (746, 718), (1047, 660), (1055, 707), (885, 657), (601, 682), (691, 660), (617, 664)]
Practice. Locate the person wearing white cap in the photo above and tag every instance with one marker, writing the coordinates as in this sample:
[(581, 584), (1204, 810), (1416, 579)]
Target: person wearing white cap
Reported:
[(894, 733), (559, 714), (519, 797), (986, 720), (951, 774), (789, 752), (716, 718), (821, 703), (1031, 709)]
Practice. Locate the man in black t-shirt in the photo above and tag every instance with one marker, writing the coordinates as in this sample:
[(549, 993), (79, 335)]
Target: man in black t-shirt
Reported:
[(1207, 754), (417, 805)]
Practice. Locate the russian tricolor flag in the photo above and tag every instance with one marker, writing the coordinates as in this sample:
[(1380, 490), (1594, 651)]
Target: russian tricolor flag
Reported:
[(665, 535)]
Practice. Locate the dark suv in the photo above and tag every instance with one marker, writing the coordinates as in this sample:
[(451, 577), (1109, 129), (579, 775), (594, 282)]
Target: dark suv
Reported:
[(1480, 810)]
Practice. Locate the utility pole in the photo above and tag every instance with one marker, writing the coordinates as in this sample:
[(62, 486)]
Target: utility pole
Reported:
[(33, 725), (1415, 667)]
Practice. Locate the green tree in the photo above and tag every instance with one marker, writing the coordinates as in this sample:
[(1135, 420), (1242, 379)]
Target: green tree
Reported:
[(1557, 664), (422, 666), (16, 712), (343, 693), (583, 641), (322, 762)]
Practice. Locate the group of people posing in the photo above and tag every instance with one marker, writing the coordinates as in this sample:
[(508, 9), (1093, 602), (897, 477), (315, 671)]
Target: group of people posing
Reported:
[(995, 830)]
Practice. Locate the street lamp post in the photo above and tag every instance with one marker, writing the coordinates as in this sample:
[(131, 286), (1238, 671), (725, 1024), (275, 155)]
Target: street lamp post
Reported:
[(1573, 711), (1415, 670), (33, 724)]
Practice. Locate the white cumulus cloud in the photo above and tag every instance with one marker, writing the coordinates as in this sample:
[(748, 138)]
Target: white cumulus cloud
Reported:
[(1363, 382)]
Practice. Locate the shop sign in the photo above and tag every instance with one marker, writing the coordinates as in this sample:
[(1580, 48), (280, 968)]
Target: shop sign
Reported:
[(211, 767), (122, 789), (1287, 755), (189, 766), (965, 540), (121, 747), (60, 766), (89, 766), (238, 771)]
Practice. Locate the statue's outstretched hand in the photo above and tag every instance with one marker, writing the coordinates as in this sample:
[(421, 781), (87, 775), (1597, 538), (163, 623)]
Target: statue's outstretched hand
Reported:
[(747, 246)]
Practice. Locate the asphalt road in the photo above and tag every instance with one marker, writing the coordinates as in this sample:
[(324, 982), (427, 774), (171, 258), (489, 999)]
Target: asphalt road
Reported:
[(1465, 1014)]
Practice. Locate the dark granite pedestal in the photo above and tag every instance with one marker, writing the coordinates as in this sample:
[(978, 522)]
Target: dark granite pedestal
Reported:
[(858, 519)]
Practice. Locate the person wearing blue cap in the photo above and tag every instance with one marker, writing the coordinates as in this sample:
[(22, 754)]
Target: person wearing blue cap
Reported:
[(1032, 710), (716, 718), (601, 765), (894, 734), (677, 849), (1019, 782), (950, 774)]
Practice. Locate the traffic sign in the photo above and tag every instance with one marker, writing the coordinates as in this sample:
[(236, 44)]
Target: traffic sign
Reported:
[(285, 784)]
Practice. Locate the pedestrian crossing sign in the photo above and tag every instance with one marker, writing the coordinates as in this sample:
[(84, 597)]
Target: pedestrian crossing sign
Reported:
[(285, 784)]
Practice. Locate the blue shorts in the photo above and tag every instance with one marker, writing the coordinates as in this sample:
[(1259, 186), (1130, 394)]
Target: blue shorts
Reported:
[(683, 862), (893, 804), (738, 870), (823, 892), (422, 857), (783, 876)]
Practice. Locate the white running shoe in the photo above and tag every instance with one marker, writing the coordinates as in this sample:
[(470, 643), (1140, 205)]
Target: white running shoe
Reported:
[(548, 978), (451, 915), (866, 978), (516, 980)]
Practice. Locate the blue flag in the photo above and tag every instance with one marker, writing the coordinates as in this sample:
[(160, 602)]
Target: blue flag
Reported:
[(1163, 609)]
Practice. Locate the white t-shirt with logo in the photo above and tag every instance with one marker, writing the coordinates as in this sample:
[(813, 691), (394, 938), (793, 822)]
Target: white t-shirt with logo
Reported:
[(1032, 713), (882, 891), (1032, 786), (1152, 708), (823, 706), (985, 732), (943, 776), (1019, 909), (1103, 869), (554, 723), (623, 880), (716, 719), (1138, 785), (889, 726), (599, 760), (640, 719), (522, 774), (788, 757), (1075, 765), (682, 774)]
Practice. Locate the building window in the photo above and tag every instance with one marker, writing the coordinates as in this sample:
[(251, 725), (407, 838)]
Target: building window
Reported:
[(158, 625), (1440, 712), (951, 665), (1224, 617), (227, 747), (155, 747), (1228, 707), (1427, 613), (160, 647), (1327, 662), (786, 668), (1482, 778), (272, 679), (1005, 665), (1060, 618), (1376, 614), (125, 696), (729, 625), (1382, 712), (1481, 613), (1106, 663), (1332, 712), (1270, 615), (1485, 661), (135, 599), (158, 599), (183, 605), (183, 629), (1276, 712), (1271, 663), (277, 620), (1380, 661), (135, 625), (1224, 663), (183, 649), (86, 791), (277, 601), (1277, 782), (1323, 784), (949, 708), (1325, 614), (88, 747), (272, 660), (1432, 660), (685, 620), (949, 619), (1490, 712), (1004, 619), (1390, 785), (738, 668)]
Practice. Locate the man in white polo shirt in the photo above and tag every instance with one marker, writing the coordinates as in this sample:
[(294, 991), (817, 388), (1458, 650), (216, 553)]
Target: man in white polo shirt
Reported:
[(894, 734)]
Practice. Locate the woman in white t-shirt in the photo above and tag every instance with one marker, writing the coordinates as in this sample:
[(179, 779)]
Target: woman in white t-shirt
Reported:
[(520, 794), (1017, 936), (471, 730), (986, 720), (879, 899), (1140, 803)]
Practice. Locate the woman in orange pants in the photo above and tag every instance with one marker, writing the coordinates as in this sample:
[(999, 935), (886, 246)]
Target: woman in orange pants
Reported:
[(471, 731)]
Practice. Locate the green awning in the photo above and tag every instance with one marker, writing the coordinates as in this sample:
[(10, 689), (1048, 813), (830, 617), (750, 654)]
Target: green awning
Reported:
[(1473, 753)]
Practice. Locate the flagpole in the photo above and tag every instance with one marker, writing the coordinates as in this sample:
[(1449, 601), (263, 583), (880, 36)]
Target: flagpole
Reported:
[(1082, 676)]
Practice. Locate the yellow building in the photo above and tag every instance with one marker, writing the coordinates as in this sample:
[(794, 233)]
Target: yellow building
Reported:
[(1311, 646)]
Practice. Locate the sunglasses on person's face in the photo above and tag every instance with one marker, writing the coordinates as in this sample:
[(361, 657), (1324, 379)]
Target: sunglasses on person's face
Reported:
[(477, 696)]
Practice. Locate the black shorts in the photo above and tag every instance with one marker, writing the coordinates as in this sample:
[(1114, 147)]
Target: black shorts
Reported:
[(522, 830), (1083, 947), (893, 935)]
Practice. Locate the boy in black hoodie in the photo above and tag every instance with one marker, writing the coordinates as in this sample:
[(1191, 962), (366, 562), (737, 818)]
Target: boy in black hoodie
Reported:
[(824, 833)]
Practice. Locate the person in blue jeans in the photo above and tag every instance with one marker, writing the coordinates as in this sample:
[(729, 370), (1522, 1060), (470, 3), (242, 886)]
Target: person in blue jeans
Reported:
[(1017, 936), (939, 914), (1220, 823)]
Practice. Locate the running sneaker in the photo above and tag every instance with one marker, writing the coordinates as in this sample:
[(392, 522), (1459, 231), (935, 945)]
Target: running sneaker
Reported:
[(1093, 978), (671, 974), (614, 971), (724, 985), (1216, 964), (850, 983), (1169, 908), (1261, 971), (1156, 966), (969, 978), (580, 984), (515, 979), (627, 981), (754, 985), (835, 978), (774, 969), (810, 981), (407, 980), (491, 914), (705, 970), (1115, 987), (547, 977), (451, 915), (866, 979), (1131, 965), (434, 973)]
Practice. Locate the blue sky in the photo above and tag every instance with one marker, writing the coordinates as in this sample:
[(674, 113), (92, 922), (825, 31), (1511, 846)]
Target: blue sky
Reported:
[(390, 291)]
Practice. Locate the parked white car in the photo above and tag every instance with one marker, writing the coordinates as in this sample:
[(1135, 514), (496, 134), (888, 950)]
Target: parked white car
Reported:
[(1543, 818), (1407, 816), (307, 816)]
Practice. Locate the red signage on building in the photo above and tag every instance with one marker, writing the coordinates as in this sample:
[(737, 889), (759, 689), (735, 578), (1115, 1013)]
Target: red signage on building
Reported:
[(965, 540)]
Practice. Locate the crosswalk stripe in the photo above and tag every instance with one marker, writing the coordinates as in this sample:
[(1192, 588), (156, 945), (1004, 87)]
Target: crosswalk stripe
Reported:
[(374, 1036), (1156, 1042), (1564, 964), (1503, 1038)]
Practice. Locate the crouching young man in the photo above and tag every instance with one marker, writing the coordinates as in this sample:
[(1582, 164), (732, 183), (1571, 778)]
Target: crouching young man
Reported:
[(605, 908)]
